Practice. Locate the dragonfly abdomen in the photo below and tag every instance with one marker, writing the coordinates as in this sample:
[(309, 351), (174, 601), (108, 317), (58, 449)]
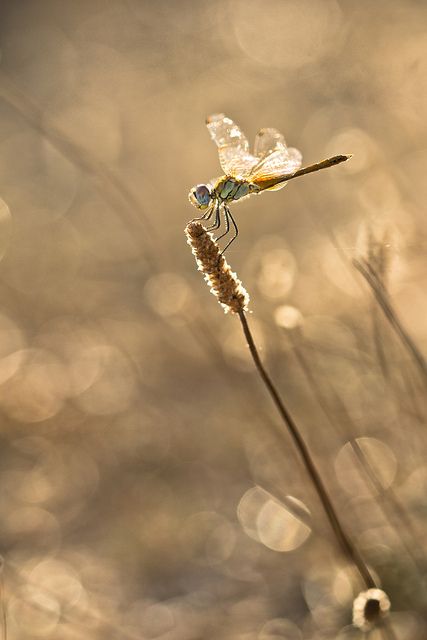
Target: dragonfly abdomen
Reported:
[(229, 188)]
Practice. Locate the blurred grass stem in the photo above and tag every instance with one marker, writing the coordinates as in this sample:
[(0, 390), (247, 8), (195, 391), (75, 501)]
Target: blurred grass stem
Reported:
[(107, 181), (382, 297)]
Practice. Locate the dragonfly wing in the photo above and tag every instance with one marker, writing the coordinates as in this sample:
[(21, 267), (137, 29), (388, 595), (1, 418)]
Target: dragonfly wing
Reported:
[(233, 146), (267, 141), (278, 163)]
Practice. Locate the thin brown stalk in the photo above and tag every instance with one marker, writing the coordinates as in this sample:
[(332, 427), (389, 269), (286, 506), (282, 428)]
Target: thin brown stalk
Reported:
[(233, 297), (344, 540)]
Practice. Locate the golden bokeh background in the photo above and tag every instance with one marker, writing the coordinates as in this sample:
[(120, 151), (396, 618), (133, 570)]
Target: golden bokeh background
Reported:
[(147, 489)]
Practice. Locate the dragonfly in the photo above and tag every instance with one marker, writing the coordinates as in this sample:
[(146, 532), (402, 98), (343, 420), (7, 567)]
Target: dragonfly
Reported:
[(271, 165)]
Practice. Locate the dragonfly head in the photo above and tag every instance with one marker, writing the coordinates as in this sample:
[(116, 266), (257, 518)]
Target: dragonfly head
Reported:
[(200, 196)]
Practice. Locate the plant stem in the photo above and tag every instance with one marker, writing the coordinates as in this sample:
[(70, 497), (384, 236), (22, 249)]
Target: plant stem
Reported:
[(343, 539)]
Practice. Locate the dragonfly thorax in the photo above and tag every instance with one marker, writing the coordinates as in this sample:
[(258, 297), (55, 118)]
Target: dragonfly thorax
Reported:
[(229, 188)]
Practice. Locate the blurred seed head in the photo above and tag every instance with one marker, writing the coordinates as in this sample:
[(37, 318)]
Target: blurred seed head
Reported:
[(369, 608)]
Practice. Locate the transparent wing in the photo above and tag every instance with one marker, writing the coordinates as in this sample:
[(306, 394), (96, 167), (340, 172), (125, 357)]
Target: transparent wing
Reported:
[(267, 141), (281, 161), (233, 146), (275, 158)]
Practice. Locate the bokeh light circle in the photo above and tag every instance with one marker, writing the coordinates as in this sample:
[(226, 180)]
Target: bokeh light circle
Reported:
[(365, 453), (286, 34), (271, 522)]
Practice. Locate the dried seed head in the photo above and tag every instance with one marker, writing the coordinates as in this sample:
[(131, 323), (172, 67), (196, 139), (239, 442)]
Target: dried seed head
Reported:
[(369, 608), (223, 282)]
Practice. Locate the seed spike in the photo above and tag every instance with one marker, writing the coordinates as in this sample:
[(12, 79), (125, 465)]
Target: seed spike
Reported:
[(224, 284)]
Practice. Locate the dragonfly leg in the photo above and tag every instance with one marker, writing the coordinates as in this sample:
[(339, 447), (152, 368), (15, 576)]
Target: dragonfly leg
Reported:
[(227, 225), (229, 216), (206, 216), (217, 222)]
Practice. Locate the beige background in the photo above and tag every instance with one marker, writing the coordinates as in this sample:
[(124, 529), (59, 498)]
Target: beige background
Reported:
[(144, 490)]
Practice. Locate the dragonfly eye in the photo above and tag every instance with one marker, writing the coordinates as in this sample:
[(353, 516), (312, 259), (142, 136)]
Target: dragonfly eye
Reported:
[(200, 196)]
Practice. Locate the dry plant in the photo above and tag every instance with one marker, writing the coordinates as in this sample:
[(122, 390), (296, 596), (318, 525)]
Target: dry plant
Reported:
[(385, 497), (371, 606), (374, 269)]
